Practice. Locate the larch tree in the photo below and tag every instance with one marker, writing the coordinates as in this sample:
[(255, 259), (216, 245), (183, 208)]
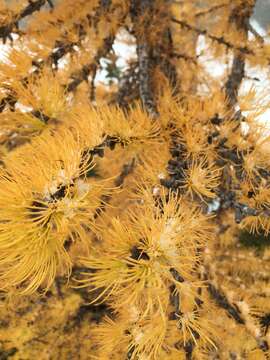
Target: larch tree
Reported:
[(135, 199)]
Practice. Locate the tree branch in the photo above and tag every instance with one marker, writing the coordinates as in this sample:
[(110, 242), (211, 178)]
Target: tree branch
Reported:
[(218, 39), (128, 86), (224, 303), (240, 19), (144, 8), (211, 9), (81, 75), (6, 30)]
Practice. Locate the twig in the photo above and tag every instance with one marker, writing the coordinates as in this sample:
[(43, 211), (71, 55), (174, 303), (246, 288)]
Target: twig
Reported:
[(185, 57), (240, 19), (84, 72), (255, 33), (128, 86), (60, 50), (224, 303), (218, 39), (6, 30), (126, 170), (211, 9)]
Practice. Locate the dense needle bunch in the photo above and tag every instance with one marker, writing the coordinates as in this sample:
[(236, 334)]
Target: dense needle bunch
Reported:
[(49, 201)]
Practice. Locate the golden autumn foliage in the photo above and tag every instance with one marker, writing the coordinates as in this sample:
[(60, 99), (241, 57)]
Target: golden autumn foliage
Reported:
[(135, 198)]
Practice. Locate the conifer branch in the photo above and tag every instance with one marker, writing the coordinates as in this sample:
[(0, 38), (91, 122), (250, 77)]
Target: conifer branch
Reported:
[(211, 10), (61, 49), (144, 8), (219, 39), (144, 76), (92, 67), (9, 100), (185, 57), (109, 142), (82, 75), (33, 6), (128, 89), (240, 19), (43, 117), (255, 33), (235, 78), (189, 347), (126, 170), (162, 57), (222, 301), (234, 312)]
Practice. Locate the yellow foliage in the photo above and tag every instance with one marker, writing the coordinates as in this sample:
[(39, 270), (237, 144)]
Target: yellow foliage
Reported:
[(133, 171)]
